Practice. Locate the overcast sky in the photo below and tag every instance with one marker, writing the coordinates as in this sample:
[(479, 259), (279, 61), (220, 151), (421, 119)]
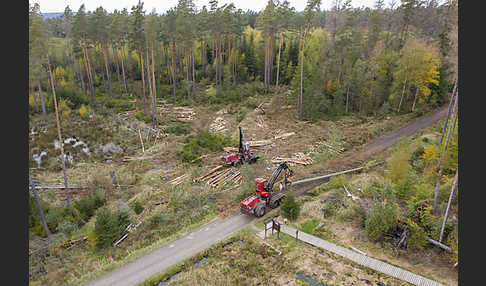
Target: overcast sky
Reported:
[(47, 6)]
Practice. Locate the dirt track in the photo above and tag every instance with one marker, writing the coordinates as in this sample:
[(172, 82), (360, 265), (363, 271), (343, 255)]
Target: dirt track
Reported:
[(144, 267), (378, 145)]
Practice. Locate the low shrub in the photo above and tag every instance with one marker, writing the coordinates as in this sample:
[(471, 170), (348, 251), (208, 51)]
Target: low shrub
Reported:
[(141, 116), (417, 238), (87, 206), (109, 225), (178, 129), (290, 207), (196, 145), (380, 219), (67, 227), (137, 207)]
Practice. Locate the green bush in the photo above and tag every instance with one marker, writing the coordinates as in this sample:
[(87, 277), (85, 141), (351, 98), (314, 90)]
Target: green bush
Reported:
[(119, 104), (196, 145), (137, 207), (380, 219), (67, 227), (73, 96), (309, 226), (109, 225), (290, 207), (178, 129), (141, 116), (87, 206), (417, 238), (53, 217)]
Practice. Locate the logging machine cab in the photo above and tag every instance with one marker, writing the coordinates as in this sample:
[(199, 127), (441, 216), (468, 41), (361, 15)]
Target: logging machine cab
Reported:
[(261, 185)]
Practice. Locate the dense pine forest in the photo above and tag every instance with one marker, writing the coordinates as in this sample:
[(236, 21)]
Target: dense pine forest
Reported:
[(395, 57)]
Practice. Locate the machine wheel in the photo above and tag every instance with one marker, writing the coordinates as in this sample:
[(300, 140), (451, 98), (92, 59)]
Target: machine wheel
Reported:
[(275, 204), (260, 211)]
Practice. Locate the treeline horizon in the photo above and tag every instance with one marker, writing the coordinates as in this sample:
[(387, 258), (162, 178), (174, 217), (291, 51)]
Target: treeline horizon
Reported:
[(395, 57)]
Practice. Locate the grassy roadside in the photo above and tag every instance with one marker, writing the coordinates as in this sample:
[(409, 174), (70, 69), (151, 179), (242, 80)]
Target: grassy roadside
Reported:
[(188, 262), (141, 252)]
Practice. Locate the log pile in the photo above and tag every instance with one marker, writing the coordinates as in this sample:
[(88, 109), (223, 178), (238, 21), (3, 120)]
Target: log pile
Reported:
[(220, 176), (259, 143), (230, 149), (298, 158), (218, 124), (178, 180), (73, 242), (260, 122), (184, 114), (285, 135)]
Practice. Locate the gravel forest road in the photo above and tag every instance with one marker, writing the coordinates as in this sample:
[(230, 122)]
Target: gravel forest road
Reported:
[(137, 271)]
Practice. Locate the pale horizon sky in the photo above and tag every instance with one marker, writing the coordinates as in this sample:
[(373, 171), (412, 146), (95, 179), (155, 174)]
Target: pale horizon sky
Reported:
[(161, 6)]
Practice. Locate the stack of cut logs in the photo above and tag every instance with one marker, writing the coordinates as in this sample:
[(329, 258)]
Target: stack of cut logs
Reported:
[(73, 242), (298, 158), (285, 135), (220, 176), (259, 143), (260, 121), (217, 125), (184, 114), (178, 180)]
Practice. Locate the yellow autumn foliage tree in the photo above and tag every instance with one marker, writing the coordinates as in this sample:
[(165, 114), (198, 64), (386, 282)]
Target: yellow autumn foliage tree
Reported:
[(417, 67)]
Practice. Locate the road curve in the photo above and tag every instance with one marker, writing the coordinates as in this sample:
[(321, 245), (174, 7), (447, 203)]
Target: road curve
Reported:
[(139, 270)]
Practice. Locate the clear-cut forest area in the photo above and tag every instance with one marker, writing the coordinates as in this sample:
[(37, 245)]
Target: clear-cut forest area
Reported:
[(135, 142)]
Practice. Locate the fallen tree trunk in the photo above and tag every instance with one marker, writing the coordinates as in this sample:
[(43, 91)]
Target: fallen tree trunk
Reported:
[(259, 143), (443, 246), (61, 187), (325, 176)]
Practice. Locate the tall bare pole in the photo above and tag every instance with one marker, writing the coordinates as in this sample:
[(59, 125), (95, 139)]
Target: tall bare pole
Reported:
[(451, 104), (451, 197), (41, 212), (449, 132), (63, 159)]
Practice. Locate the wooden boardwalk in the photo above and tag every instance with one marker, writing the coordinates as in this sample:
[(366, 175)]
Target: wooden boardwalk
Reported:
[(359, 258)]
